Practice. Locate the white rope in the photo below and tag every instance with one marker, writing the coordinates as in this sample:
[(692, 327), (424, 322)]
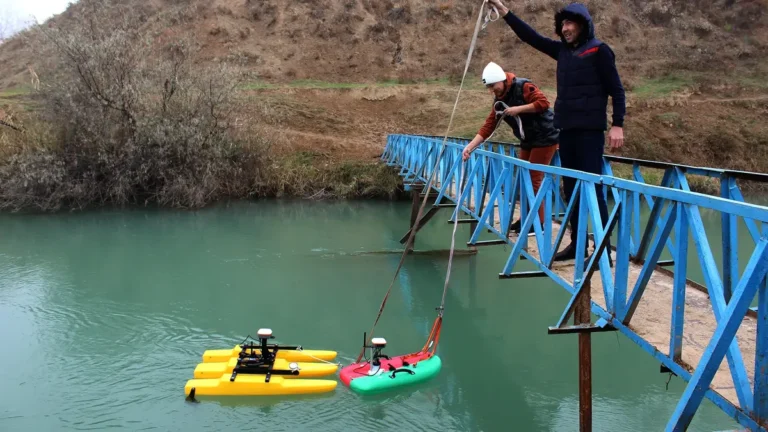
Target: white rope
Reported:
[(466, 66), (488, 15), (318, 359), (498, 122), (461, 176), (437, 162), (459, 191), (501, 113)]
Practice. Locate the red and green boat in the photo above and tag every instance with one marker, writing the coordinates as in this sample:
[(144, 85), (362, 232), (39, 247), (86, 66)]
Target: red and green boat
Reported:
[(383, 373)]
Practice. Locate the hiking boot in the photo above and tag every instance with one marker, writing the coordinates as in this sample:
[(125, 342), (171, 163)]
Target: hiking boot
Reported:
[(569, 253), (516, 227), (597, 263)]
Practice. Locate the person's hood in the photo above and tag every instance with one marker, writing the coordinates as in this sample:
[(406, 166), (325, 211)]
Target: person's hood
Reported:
[(575, 12), (510, 78), (508, 82)]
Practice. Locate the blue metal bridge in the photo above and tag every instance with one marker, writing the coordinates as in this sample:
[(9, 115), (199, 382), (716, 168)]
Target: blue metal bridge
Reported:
[(706, 334)]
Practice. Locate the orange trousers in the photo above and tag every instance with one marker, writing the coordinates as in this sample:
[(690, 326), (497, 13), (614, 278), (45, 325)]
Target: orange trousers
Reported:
[(543, 156)]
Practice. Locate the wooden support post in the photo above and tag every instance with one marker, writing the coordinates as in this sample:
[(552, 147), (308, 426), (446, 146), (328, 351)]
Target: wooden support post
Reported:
[(581, 315), (472, 228)]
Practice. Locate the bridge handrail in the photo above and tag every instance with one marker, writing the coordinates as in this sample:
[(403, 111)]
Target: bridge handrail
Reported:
[(731, 206), (692, 169), (496, 182)]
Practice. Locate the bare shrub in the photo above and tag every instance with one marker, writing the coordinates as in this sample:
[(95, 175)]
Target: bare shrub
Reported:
[(223, 10), (534, 6), (400, 15), (308, 175), (260, 10), (131, 125)]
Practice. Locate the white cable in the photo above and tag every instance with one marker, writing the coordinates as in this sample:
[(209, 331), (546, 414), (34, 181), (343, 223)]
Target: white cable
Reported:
[(519, 122), (488, 15), (318, 359)]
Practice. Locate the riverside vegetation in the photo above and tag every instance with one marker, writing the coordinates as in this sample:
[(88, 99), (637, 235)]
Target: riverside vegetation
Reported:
[(116, 123), (181, 104)]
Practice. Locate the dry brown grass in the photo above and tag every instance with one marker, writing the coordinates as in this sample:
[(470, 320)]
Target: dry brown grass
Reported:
[(356, 40), (340, 126), (118, 125)]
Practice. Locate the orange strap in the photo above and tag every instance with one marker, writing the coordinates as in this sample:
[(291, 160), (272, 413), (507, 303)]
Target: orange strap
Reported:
[(434, 336)]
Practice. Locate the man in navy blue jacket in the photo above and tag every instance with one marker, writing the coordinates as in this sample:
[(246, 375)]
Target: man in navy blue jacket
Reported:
[(586, 76)]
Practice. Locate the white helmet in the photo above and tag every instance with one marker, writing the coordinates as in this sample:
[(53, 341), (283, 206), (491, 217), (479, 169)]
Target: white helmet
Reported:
[(493, 73)]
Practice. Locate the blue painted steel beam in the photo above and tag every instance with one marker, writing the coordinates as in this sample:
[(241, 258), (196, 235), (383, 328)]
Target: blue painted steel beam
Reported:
[(717, 298), (719, 401), (679, 286), (525, 226), (737, 208), (466, 190), (656, 207), (760, 401), (721, 340), (730, 238), (483, 220), (751, 225), (650, 264), (534, 212), (700, 171), (742, 209), (589, 270), (570, 209), (485, 180), (600, 233), (684, 210), (622, 256)]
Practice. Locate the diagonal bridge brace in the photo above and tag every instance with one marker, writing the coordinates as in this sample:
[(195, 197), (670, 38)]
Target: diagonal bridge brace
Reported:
[(724, 335), (601, 325), (526, 226), (419, 224), (717, 299)]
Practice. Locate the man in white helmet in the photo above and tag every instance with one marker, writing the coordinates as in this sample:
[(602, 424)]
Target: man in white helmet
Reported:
[(520, 100)]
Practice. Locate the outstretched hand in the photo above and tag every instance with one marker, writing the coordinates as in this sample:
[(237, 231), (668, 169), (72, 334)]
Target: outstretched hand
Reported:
[(615, 138)]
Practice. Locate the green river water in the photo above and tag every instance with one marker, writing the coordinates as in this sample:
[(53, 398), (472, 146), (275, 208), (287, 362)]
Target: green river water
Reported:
[(104, 315)]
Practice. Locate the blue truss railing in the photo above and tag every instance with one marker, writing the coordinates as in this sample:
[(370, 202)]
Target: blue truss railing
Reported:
[(494, 172)]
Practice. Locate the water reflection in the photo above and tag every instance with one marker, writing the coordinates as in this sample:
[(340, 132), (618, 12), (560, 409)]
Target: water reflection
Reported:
[(107, 313)]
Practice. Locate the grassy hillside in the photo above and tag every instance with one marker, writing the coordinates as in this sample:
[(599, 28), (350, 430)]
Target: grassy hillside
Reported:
[(369, 41), (324, 81)]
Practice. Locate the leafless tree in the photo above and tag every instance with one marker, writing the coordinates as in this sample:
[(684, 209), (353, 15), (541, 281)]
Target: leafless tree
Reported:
[(134, 122)]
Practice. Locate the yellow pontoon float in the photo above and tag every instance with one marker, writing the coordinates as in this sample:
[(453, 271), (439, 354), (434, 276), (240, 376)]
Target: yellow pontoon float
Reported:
[(261, 369)]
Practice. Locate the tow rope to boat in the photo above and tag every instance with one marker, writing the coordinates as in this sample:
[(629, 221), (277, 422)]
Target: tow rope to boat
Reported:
[(431, 344)]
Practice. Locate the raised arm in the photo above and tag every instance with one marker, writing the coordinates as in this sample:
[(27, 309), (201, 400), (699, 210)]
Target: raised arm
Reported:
[(527, 34)]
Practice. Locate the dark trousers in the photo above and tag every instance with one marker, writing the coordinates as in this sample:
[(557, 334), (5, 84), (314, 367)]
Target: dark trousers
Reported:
[(582, 150)]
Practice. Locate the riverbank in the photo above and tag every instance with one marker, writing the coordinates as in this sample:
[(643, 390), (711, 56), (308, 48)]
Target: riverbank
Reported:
[(306, 140), (156, 105)]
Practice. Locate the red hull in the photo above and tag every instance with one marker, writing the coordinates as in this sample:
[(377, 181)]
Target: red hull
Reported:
[(357, 370)]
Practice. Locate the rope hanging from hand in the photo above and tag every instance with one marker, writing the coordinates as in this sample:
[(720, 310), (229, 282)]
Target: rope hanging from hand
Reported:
[(434, 334)]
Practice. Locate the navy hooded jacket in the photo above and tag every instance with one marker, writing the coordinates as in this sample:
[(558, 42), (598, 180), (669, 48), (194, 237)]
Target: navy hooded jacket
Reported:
[(586, 71)]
